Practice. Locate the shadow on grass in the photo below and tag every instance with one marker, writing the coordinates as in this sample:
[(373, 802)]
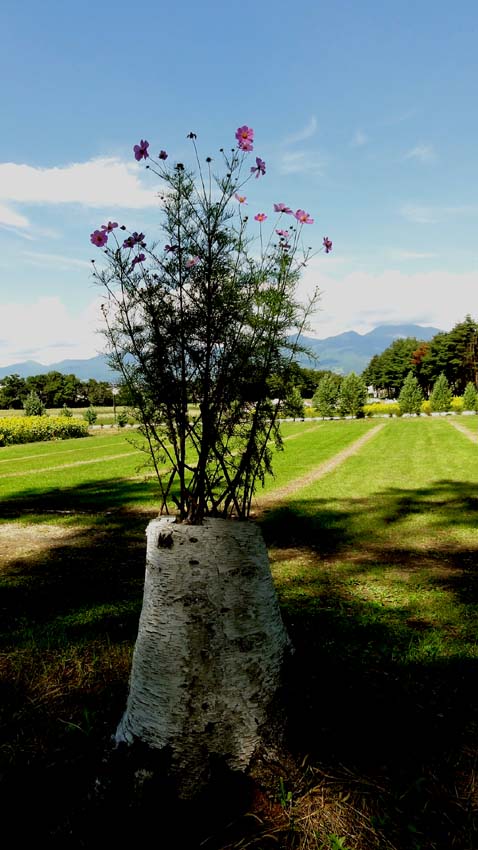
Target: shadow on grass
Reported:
[(400, 731)]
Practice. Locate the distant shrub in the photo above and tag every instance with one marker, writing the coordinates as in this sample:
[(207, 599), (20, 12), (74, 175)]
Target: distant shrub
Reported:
[(457, 404), (122, 419), (34, 429), (381, 409), (65, 411), (411, 396), (426, 408), (90, 415)]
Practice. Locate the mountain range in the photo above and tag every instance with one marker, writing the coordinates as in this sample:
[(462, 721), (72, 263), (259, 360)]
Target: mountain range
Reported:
[(344, 353)]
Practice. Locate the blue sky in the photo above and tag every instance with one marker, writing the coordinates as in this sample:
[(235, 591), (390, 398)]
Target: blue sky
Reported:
[(365, 114)]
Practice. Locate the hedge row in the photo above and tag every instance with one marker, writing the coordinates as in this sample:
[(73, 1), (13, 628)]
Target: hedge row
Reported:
[(393, 408), (33, 429)]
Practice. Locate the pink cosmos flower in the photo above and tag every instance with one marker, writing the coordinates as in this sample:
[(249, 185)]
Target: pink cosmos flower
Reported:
[(327, 243), (134, 239), (193, 261), (99, 238), (260, 217), (245, 137), (282, 208), (110, 226), (139, 259), (284, 234), (241, 198), (141, 150), (303, 217), (163, 155), (259, 168)]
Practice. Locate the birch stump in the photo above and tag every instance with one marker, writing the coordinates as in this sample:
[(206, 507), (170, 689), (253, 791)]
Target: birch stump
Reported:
[(210, 649)]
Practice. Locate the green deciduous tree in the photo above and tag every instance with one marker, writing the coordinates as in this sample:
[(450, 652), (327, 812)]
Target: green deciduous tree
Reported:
[(352, 396), (326, 396)]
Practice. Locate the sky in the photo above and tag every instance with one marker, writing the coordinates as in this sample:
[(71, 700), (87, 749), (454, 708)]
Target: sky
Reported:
[(364, 112)]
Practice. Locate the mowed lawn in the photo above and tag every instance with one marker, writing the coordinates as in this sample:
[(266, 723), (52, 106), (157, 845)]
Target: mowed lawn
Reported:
[(375, 567)]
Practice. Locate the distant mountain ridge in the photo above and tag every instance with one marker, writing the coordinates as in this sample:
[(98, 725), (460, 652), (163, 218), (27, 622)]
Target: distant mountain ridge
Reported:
[(344, 353), (351, 352)]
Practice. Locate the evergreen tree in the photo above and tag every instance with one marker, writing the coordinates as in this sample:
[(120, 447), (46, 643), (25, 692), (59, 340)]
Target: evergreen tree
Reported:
[(326, 395), (353, 395), (441, 397), (470, 397), (411, 396), (33, 405)]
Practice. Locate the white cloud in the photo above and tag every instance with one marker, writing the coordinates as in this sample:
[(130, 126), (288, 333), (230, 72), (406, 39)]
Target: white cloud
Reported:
[(423, 214), (360, 300), (11, 219), (412, 255), (298, 162), (302, 135), (47, 331), (103, 182), (422, 153)]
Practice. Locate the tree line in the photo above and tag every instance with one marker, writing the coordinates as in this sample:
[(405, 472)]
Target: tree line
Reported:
[(453, 354), (56, 390)]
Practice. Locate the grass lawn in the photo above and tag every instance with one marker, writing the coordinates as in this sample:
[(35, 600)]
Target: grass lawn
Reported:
[(375, 567)]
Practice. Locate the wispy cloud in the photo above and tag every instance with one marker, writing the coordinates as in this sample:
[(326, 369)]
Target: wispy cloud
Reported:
[(298, 162), (422, 153), (412, 255), (103, 182), (359, 139), (307, 132), (423, 214), (58, 260)]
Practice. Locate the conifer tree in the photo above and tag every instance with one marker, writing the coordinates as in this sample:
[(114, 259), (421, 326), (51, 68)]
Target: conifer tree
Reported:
[(441, 397), (411, 396), (470, 397)]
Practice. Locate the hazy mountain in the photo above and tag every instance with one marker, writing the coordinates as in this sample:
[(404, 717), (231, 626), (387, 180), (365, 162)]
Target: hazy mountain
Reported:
[(352, 352), (93, 367), (347, 352)]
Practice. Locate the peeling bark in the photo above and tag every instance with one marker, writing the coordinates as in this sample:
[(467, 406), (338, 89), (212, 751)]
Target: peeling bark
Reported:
[(210, 649)]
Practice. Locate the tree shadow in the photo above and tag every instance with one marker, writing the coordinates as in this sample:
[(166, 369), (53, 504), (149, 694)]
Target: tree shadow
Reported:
[(360, 703)]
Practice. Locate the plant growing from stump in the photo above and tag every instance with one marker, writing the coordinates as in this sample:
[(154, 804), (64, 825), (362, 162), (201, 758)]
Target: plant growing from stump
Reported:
[(206, 314)]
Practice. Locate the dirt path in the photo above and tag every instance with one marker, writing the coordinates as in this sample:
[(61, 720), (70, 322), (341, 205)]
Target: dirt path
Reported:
[(463, 430), (282, 493)]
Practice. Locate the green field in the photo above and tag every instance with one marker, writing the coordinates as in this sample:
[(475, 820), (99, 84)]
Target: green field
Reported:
[(375, 568)]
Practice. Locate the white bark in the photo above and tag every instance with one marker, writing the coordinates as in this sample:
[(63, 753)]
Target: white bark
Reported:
[(210, 647)]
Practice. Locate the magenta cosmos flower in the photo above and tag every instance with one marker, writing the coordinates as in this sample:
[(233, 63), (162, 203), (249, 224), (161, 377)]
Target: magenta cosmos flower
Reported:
[(327, 243), (134, 239), (282, 208), (139, 259), (99, 238), (193, 261), (141, 150), (245, 137), (284, 234), (303, 217), (110, 226), (240, 198), (259, 168), (163, 155), (260, 217)]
